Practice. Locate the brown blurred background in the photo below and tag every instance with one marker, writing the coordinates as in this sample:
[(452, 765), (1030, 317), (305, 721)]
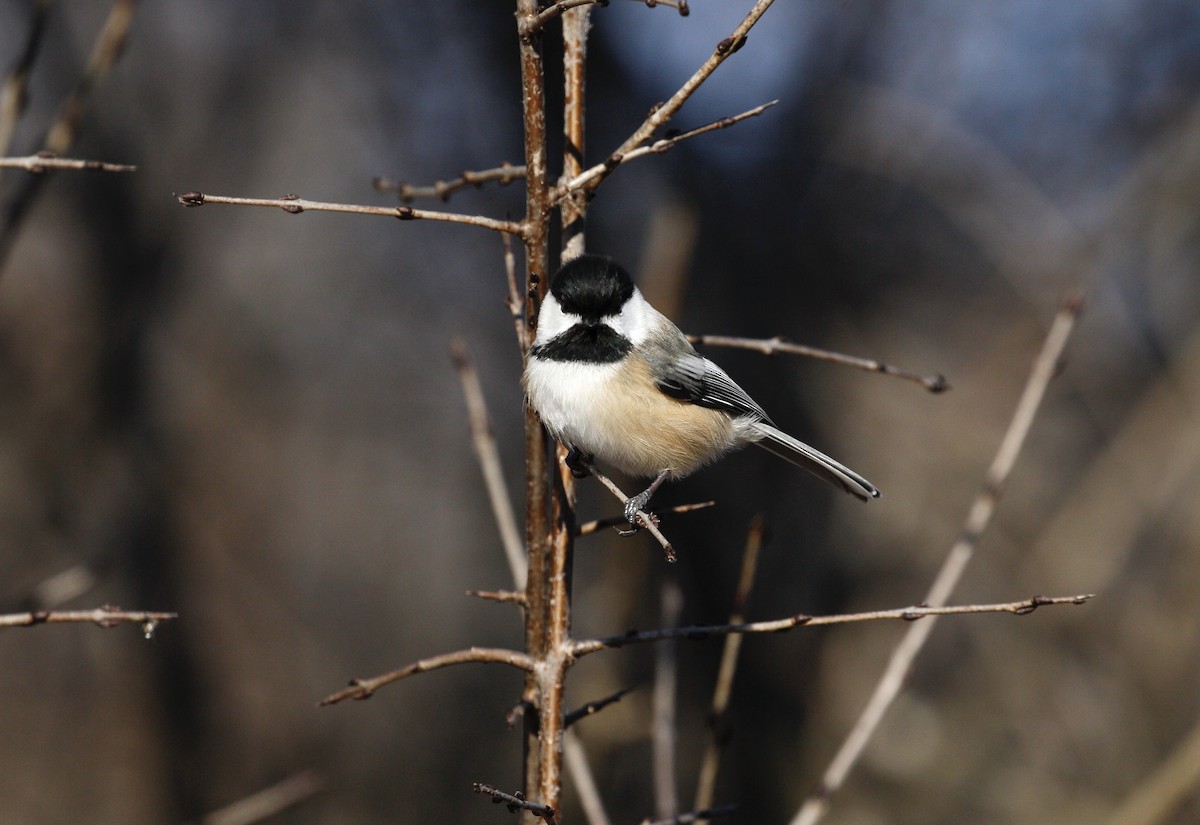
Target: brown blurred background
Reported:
[(251, 417)]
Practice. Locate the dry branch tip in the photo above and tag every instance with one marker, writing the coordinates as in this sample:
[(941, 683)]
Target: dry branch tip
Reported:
[(515, 802)]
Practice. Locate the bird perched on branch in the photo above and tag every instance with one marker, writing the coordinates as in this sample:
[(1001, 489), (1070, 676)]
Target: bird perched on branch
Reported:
[(612, 378)]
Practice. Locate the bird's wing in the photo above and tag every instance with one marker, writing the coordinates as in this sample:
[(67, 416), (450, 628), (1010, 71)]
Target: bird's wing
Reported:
[(695, 379)]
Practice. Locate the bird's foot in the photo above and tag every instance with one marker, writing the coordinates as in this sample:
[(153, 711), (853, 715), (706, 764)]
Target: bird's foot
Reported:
[(634, 507)]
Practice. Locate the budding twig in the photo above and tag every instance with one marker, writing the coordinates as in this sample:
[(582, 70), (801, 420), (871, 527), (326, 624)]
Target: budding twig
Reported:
[(769, 346), (365, 688), (44, 161), (516, 802), (723, 50), (295, 205), (587, 180), (504, 174), (107, 616), (679, 5), (594, 707), (583, 647)]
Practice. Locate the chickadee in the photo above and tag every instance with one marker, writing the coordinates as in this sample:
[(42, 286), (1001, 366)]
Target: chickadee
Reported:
[(613, 378)]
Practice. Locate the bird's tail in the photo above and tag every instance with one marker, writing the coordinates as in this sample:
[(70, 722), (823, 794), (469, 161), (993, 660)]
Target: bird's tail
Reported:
[(815, 461)]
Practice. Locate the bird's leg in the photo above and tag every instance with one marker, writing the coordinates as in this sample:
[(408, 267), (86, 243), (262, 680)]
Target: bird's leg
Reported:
[(639, 502), (577, 462)]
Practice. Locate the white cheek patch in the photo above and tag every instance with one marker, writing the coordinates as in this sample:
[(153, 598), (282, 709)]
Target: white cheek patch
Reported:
[(637, 319), (552, 320)]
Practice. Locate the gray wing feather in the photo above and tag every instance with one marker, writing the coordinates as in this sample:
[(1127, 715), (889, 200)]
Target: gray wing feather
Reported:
[(694, 378), (691, 377)]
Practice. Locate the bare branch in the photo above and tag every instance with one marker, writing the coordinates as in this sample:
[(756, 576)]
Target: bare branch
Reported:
[(590, 527), (43, 161), (269, 801), (486, 451), (539, 21), (769, 346), (595, 707), (724, 49), (679, 5), (694, 816), (14, 95), (662, 732), (295, 205), (504, 174), (583, 647), (515, 301), (513, 596), (584, 780), (587, 180), (978, 519), (110, 42), (516, 802), (647, 520), (365, 688), (711, 761), (106, 616)]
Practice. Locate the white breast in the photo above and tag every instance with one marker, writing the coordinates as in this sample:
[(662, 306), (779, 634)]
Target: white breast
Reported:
[(570, 397)]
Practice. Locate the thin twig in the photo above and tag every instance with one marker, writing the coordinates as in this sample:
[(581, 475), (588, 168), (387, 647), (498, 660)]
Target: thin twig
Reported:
[(978, 519), (679, 5), (662, 732), (511, 596), (583, 779), (504, 174), (269, 801), (769, 346), (295, 205), (583, 647), (665, 111), (516, 802), (590, 527), (365, 688), (694, 816), (595, 707), (711, 761), (554, 10), (107, 616), (587, 180), (14, 95), (44, 161), (484, 442), (515, 301), (644, 519), (110, 42)]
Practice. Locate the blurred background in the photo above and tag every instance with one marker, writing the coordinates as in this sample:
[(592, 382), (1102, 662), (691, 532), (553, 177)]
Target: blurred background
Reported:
[(251, 417)]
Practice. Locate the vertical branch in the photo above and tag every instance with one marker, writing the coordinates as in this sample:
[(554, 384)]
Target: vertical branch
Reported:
[(14, 92), (707, 783), (110, 42), (575, 25), (546, 607), (666, 682)]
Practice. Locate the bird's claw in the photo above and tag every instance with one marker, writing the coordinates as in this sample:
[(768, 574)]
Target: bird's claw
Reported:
[(633, 508)]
